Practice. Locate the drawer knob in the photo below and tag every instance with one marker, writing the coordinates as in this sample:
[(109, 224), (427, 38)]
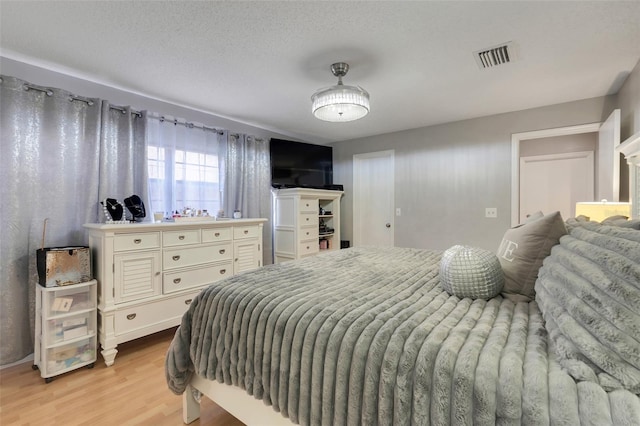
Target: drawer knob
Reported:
[(176, 258), (181, 237), (307, 219), (217, 234), (223, 271), (177, 280), (188, 301), (131, 316), (246, 232), (137, 241), (221, 251), (307, 232)]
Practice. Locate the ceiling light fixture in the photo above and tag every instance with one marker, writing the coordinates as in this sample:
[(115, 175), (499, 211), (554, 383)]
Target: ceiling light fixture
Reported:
[(340, 103)]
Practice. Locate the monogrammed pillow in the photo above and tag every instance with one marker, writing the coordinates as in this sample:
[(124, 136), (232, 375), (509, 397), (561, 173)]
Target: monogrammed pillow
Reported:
[(522, 250)]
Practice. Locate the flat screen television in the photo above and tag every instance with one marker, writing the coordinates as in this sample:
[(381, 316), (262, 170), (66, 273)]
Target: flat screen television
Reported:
[(297, 164)]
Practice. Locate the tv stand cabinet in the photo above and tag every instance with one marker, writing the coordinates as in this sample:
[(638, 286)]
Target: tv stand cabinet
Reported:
[(148, 273), (305, 222)]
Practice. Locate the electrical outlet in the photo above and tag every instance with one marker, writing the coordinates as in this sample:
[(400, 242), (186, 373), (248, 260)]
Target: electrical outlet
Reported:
[(398, 211), (491, 212)]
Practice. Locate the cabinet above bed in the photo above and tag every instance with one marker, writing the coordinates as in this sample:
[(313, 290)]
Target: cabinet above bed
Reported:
[(148, 273)]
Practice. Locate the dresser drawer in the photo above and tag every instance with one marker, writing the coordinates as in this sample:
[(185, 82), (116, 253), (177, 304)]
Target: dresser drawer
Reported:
[(250, 231), (197, 277), (191, 256), (309, 219), (140, 241), (309, 247), (212, 235), (138, 317), (180, 238), (309, 205), (309, 233)]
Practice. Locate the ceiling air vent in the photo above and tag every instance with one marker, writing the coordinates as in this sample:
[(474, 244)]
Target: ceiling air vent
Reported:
[(494, 56)]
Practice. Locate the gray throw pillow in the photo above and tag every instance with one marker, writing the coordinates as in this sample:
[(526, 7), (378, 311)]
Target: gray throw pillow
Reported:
[(522, 250), (471, 272)]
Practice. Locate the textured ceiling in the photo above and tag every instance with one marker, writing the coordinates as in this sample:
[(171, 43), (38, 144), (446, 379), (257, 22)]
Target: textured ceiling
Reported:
[(259, 62)]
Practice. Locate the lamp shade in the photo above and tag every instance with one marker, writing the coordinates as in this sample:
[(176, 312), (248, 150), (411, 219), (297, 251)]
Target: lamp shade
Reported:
[(599, 211), (340, 103)]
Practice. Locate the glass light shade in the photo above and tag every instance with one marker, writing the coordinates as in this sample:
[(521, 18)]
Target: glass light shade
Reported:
[(340, 103)]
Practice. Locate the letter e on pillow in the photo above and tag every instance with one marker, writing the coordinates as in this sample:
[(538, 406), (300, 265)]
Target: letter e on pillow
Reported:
[(506, 250)]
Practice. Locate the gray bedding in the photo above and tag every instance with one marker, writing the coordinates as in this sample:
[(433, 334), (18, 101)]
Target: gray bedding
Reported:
[(589, 291), (367, 336)]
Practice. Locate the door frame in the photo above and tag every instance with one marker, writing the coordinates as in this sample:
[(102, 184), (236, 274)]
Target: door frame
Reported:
[(516, 138), (390, 153)]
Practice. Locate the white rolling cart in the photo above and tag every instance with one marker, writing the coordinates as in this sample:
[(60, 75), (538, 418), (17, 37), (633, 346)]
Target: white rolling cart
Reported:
[(65, 328)]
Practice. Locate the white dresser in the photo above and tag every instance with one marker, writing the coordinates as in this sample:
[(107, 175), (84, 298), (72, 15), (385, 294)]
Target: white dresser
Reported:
[(305, 222), (148, 273)]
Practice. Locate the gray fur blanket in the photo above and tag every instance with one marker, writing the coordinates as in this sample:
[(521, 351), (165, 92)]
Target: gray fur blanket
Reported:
[(589, 292), (367, 336)]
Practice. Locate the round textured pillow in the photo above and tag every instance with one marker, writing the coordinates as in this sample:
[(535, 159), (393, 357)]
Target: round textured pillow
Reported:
[(471, 272)]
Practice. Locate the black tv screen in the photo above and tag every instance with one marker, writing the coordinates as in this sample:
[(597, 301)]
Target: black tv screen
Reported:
[(297, 164)]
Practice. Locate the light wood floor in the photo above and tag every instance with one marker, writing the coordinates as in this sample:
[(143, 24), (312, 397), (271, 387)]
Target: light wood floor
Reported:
[(131, 392)]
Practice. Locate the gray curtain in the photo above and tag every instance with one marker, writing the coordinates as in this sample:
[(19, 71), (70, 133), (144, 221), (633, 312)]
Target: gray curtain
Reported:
[(246, 171), (60, 155), (49, 162), (123, 160)]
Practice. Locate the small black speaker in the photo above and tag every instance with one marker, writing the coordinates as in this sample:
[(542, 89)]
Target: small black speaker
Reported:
[(344, 244)]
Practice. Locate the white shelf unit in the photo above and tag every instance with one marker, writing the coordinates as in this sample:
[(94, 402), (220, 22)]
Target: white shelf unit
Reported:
[(305, 222), (65, 328), (148, 273)]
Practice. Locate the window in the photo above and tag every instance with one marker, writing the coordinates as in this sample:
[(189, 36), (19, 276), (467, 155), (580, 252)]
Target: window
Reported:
[(186, 175)]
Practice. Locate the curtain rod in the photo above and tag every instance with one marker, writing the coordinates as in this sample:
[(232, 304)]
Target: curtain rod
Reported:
[(188, 124), (46, 90), (89, 101), (124, 110), (237, 135), (49, 92)]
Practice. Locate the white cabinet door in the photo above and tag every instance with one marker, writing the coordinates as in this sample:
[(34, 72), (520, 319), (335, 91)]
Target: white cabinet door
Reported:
[(137, 275), (247, 255)]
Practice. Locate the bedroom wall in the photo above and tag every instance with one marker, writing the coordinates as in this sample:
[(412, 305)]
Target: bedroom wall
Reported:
[(45, 77), (446, 175)]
